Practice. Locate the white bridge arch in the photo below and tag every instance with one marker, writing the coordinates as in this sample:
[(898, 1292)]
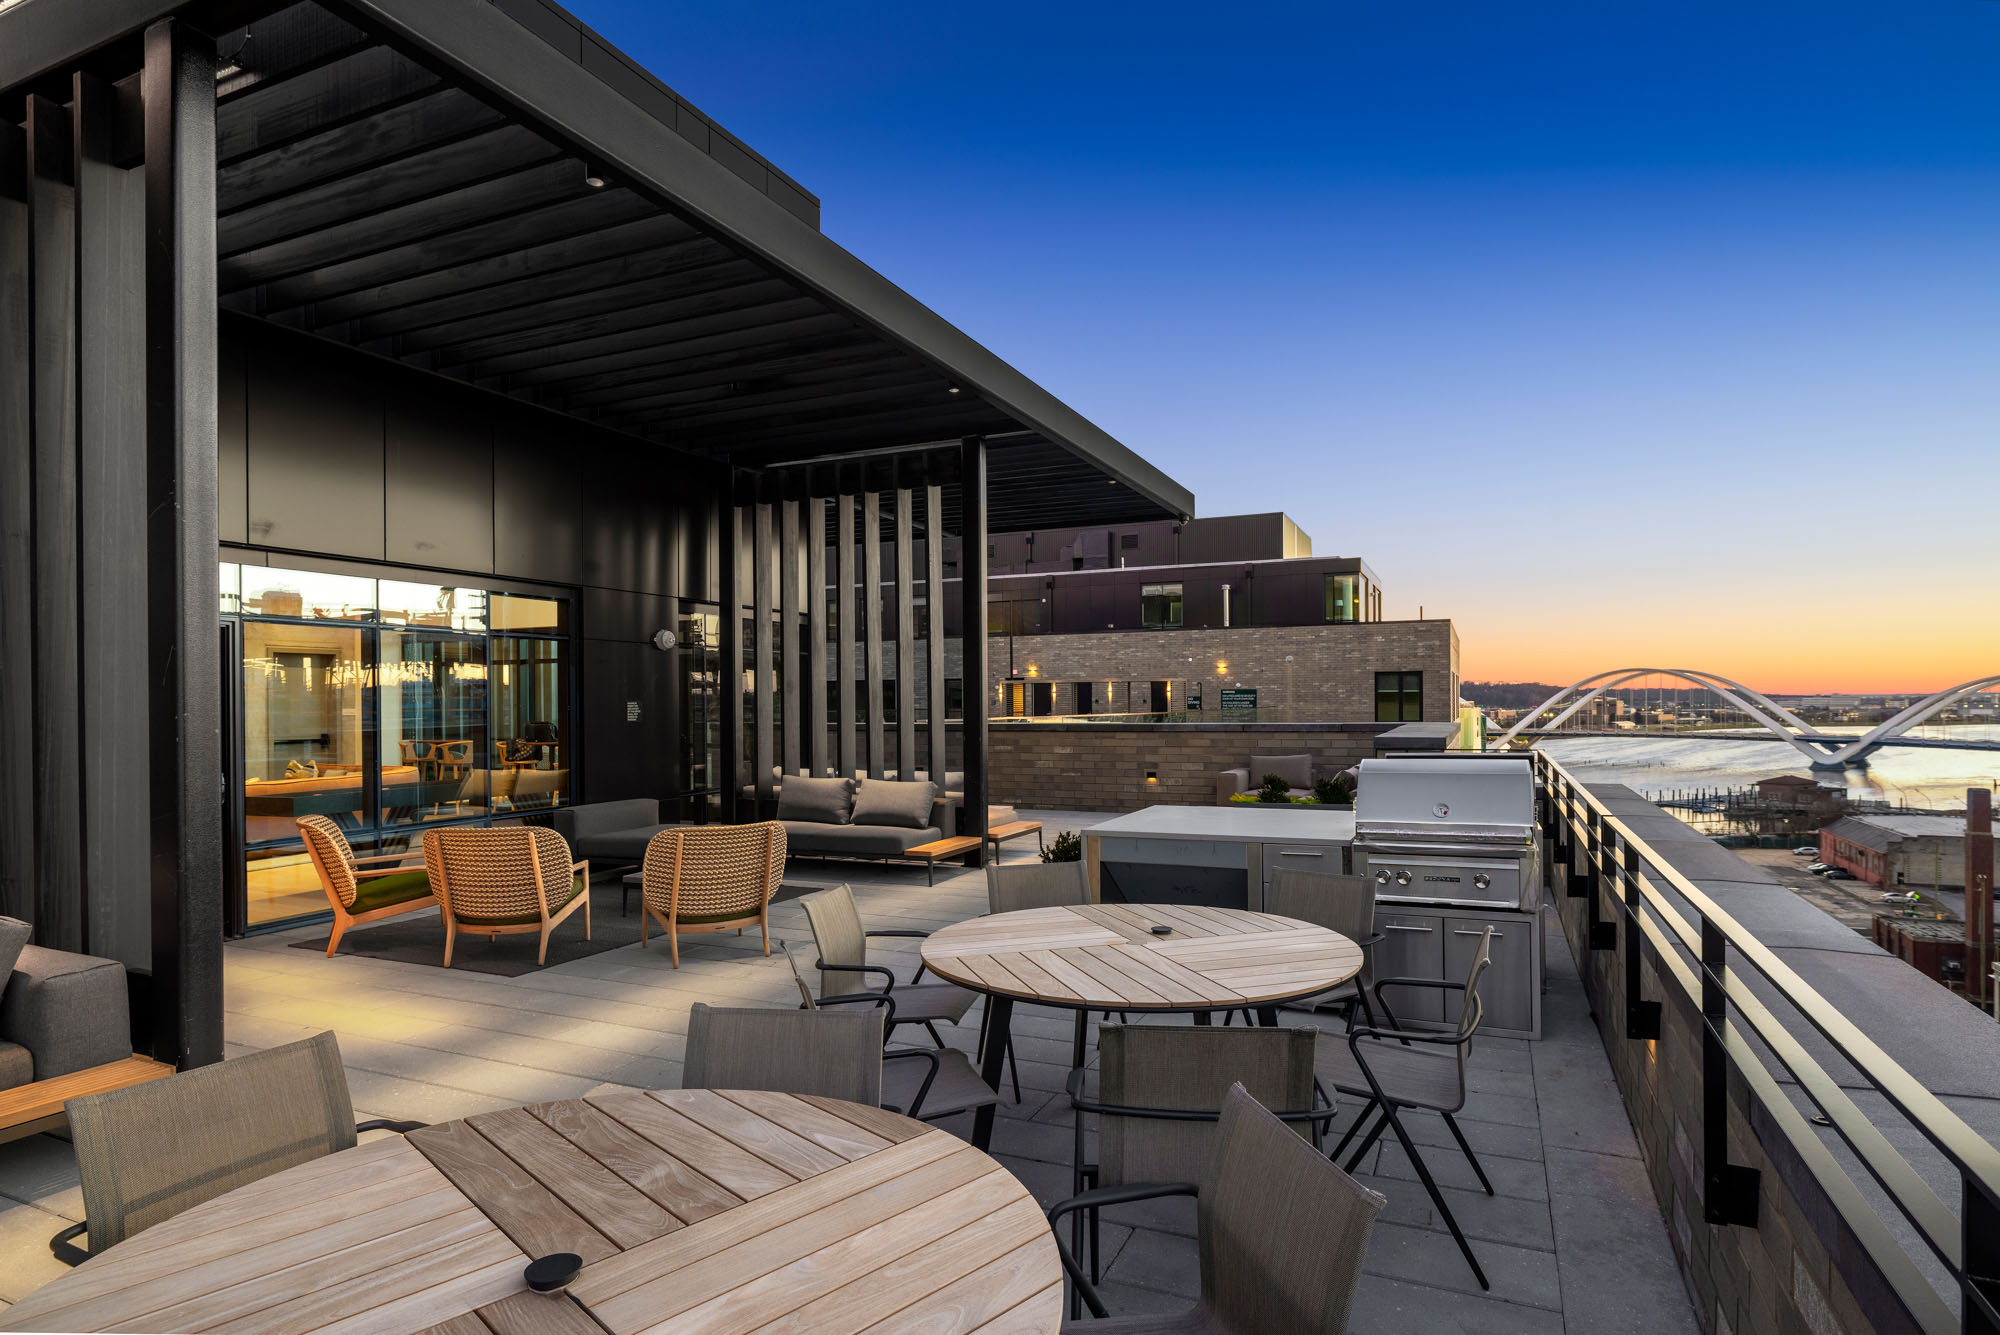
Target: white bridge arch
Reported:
[(1821, 751)]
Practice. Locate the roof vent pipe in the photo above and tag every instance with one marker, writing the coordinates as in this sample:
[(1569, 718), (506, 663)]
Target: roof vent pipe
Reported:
[(1225, 607)]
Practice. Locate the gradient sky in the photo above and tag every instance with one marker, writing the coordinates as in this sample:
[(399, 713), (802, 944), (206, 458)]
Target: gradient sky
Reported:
[(1634, 332)]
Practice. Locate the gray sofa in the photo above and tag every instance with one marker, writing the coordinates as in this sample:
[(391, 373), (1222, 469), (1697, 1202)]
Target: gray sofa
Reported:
[(611, 834), (59, 1012), (1295, 770), (859, 818)]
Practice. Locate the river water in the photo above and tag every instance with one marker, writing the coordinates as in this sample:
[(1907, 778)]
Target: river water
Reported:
[(1913, 776)]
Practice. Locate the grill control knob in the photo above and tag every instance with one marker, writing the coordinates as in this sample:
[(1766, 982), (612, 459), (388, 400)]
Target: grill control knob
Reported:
[(1480, 880), (1382, 878), (1402, 878)]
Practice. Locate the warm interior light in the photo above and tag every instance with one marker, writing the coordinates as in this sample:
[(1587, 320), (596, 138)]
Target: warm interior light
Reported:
[(1221, 666)]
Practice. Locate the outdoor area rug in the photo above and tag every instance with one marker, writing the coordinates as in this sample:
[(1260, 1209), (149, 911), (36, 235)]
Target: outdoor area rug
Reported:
[(419, 938)]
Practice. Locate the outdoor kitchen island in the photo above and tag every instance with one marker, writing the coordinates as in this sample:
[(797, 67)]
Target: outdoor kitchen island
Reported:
[(1221, 857)]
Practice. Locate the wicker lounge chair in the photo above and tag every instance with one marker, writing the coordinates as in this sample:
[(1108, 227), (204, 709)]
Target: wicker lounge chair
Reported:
[(711, 879), (147, 1153), (501, 882), (1282, 1233), (358, 890)]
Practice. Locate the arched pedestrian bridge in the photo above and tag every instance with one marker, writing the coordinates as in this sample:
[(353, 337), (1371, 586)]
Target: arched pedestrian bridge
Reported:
[(1821, 750)]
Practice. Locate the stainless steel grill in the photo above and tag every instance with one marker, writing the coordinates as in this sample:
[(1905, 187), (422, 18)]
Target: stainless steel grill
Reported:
[(1449, 831)]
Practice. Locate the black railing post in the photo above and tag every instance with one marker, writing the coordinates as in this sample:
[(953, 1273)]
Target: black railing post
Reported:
[(1603, 934), (1729, 1194), (1642, 1018)]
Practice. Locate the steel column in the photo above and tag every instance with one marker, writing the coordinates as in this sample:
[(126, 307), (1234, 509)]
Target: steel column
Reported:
[(906, 644), (843, 617), (762, 687), (17, 706), (790, 598), (972, 637), (871, 618), (813, 725), (934, 643), (184, 704), (730, 536)]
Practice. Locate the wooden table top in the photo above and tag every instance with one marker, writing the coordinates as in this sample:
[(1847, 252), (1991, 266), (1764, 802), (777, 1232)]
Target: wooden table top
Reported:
[(1106, 957), (693, 1210)]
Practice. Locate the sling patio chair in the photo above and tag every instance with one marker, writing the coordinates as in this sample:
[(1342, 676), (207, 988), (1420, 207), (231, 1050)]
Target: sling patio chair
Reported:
[(502, 882), (844, 967), (1406, 1068), (834, 1053), (148, 1152), (1160, 1090), (358, 890), (1281, 1232), (1339, 903), (711, 878), (1041, 885)]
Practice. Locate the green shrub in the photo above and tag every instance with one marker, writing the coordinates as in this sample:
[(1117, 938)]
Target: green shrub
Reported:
[(1275, 789), (1335, 791), (1065, 847)]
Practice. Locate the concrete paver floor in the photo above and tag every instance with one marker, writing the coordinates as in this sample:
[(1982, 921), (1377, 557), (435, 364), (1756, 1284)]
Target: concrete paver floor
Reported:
[(1572, 1240)]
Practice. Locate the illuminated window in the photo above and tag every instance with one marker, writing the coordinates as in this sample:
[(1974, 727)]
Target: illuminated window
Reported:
[(1160, 606)]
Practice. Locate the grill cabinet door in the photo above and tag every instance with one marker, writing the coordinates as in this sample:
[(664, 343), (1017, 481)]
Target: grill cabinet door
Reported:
[(1412, 946), (1507, 986)]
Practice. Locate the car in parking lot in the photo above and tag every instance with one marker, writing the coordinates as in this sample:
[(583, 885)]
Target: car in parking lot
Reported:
[(1806, 851), (1839, 874), (1819, 868)]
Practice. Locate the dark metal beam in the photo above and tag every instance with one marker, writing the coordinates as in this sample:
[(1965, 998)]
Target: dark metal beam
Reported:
[(332, 96), (184, 732), (57, 635), (761, 651), (940, 761), (604, 323), (843, 616), (763, 338), (871, 623), (972, 637), (426, 122), (815, 595), (906, 644)]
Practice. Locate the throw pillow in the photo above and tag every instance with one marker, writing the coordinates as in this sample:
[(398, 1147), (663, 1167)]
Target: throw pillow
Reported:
[(302, 769), (13, 935), (1295, 770), (886, 802), (818, 801)]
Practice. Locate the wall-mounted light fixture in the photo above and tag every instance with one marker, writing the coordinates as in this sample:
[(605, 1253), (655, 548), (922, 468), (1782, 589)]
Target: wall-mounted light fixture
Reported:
[(1033, 671), (593, 175), (1221, 666), (1152, 776)]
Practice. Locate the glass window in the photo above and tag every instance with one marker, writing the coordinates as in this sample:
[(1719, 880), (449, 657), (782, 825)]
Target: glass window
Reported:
[(1160, 606), (1344, 598), (305, 752), (308, 594), (1399, 697), (530, 723), (545, 616), (432, 605), (232, 589), (700, 685), (432, 712)]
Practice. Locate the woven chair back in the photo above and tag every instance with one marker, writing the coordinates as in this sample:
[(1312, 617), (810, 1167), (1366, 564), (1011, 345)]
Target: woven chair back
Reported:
[(492, 875), (1339, 903), (837, 931), (150, 1151), (1035, 885), (331, 855), (835, 1054), (1282, 1231), (1190, 1068), (714, 871)]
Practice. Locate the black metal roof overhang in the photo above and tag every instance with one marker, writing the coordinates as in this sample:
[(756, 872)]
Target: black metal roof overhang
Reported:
[(408, 177)]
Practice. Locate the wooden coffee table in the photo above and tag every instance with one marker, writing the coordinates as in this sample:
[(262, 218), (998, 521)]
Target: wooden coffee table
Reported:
[(1089, 957), (691, 1209)]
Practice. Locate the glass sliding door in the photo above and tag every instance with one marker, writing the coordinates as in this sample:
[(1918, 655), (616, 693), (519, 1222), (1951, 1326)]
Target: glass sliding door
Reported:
[(387, 706)]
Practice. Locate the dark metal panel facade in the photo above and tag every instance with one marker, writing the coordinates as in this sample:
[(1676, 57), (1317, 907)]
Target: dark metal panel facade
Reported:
[(537, 507), (316, 482), (438, 482)]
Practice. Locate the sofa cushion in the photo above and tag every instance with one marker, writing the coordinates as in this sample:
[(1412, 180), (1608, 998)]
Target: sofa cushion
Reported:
[(579, 823), (14, 934), (615, 846), (1295, 770), (379, 892), (810, 839), (884, 802), (17, 1065), (816, 801), (68, 1010)]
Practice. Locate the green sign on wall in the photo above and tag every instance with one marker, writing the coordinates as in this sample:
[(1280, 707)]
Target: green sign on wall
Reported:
[(1239, 697)]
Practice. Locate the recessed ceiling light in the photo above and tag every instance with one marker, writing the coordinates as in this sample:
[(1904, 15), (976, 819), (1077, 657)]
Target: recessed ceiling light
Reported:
[(951, 389)]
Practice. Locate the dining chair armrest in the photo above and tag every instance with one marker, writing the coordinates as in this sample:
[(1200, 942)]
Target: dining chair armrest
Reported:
[(1098, 1198), (581, 865), (1372, 939), (1438, 983), (899, 931), (385, 1124), (63, 1249), (917, 1103), (859, 968), (1403, 1036), (861, 998)]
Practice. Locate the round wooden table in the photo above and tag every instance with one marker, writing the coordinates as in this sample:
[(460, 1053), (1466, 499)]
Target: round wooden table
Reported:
[(693, 1210), (1088, 957)]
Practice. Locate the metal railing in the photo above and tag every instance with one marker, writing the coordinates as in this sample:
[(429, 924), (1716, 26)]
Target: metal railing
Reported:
[(1712, 958)]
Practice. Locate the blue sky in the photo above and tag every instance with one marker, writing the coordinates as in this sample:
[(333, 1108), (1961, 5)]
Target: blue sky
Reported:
[(1612, 331)]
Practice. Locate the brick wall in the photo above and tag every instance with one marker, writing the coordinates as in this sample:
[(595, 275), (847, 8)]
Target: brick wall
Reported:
[(1102, 766), (1330, 672)]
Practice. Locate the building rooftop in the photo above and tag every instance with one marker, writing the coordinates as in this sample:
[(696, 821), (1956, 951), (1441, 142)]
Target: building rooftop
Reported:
[(1879, 832)]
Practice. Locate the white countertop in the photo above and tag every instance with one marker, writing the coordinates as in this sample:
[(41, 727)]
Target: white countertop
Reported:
[(1242, 823)]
